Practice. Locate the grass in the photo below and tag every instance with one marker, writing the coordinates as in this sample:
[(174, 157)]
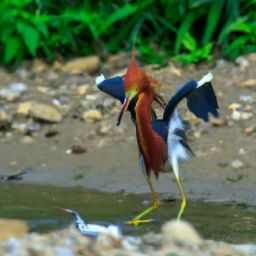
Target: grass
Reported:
[(188, 31)]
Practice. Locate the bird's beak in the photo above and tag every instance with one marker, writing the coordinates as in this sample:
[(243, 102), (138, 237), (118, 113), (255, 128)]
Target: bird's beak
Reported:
[(125, 105)]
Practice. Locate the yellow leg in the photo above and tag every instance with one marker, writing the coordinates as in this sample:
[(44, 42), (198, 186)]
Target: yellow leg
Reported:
[(183, 199), (139, 218)]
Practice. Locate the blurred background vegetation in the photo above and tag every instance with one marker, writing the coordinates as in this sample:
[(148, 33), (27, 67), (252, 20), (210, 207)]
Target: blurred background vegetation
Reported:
[(188, 31)]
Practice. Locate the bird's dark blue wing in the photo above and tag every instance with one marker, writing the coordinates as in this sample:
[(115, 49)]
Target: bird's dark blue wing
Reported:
[(161, 128), (184, 91), (200, 100), (203, 101), (114, 87)]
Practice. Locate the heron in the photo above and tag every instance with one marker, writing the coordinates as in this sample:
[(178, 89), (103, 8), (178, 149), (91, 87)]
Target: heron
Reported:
[(162, 142)]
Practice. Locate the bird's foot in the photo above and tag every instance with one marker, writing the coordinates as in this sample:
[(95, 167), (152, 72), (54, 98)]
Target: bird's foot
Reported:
[(138, 222)]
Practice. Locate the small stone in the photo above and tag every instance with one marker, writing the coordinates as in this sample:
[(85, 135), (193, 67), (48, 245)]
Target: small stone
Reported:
[(88, 64), (237, 115), (237, 164), (252, 57), (5, 119), (91, 97), (78, 149), (42, 89), (82, 90), (24, 108), (246, 98), (12, 228), (92, 116), (250, 83), (51, 132), (234, 106), (242, 151), (197, 135), (27, 140), (39, 66), (218, 122), (9, 95), (104, 129), (18, 87), (45, 112), (180, 231), (175, 71), (242, 62), (220, 63), (249, 130)]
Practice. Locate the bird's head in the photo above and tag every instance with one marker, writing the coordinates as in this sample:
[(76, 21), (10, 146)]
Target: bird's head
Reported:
[(136, 81)]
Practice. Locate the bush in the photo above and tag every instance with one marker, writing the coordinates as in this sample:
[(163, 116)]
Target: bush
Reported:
[(189, 31)]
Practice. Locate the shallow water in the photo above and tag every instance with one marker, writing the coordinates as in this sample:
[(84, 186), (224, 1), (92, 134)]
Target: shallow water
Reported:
[(35, 204)]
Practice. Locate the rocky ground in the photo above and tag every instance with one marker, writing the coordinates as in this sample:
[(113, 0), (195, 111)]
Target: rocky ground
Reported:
[(58, 129), (176, 239)]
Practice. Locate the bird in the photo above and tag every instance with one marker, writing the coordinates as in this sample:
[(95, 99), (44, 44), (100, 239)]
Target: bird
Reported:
[(92, 230), (162, 142)]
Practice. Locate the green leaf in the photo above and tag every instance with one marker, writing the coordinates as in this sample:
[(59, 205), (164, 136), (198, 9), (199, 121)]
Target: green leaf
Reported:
[(184, 28), (122, 13), (189, 42), (31, 38), (12, 48), (212, 20)]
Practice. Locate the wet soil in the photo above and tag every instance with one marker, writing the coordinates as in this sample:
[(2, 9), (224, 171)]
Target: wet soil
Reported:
[(110, 161), (35, 204)]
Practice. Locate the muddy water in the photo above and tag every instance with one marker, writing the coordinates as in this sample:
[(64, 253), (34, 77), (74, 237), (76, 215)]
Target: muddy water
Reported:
[(35, 204)]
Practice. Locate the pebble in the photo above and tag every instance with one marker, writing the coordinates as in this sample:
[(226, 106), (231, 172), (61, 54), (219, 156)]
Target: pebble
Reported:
[(45, 112), (175, 71), (27, 140), (249, 130), (104, 129), (234, 106), (180, 231), (242, 62), (24, 108), (88, 64), (237, 164), (250, 83), (5, 119), (238, 115), (82, 90), (78, 149), (92, 116), (51, 132), (12, 228), (246, 98)]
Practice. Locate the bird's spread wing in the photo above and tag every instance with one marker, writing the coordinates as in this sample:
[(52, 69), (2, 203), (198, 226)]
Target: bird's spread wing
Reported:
[(177, 141), (112, 86), (201, 99)]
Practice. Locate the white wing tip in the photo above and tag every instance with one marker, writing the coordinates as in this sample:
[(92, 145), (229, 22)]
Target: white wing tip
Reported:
[(99, 79), (205, 79)]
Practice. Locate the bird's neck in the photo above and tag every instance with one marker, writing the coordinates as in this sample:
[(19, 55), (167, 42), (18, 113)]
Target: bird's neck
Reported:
[(152, 146)]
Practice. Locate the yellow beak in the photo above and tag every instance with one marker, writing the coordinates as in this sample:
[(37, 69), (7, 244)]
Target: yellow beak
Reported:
[(125, 106)]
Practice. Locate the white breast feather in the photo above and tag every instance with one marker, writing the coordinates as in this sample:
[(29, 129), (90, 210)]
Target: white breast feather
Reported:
[(175, 148)]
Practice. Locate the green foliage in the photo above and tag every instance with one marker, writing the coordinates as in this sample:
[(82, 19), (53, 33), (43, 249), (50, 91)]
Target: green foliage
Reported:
[(188, 31)]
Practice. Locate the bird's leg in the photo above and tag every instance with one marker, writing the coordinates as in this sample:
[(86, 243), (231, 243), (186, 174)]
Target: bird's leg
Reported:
[(183, 199), (139, 218), (175, 167)]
